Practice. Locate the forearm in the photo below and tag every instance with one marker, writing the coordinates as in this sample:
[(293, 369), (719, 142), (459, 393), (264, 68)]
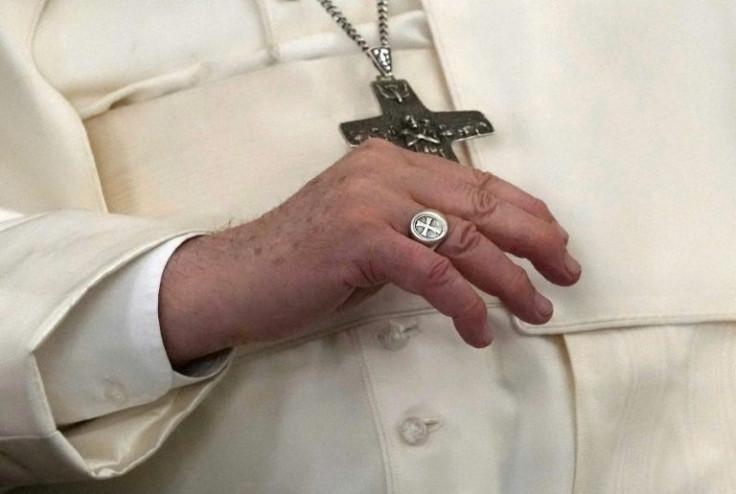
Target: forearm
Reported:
[(195, 312), (245, 284)]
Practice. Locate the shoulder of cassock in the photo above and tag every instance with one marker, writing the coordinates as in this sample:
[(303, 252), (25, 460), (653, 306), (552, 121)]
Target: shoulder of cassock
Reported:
[(52, 216)]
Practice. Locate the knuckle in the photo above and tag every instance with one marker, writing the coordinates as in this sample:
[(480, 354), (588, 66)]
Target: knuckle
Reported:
[(483, 203), (438, 273), (539, 206), (374, 157), (357, 184), (370, 272), (519, 283), (472, 307), (547, 238), (467, 238), (363, 161), (374, 143), (484, 179)]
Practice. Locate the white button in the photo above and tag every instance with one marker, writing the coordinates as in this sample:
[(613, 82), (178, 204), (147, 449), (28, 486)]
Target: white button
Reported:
[(115, 392), (396, 336), (415, 431)]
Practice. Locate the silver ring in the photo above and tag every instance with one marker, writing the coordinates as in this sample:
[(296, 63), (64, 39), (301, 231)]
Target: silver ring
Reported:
[(429, 227)]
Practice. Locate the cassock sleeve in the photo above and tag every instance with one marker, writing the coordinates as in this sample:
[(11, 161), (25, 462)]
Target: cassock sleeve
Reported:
[(58, 245), (107, 354), (49, 264)]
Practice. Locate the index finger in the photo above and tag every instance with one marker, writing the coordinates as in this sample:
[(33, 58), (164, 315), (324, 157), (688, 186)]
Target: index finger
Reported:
[(420, 270)]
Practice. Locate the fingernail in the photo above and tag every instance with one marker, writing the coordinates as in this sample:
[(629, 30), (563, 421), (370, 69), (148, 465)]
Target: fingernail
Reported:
[(488, 332), (544, 306), (573, 267)]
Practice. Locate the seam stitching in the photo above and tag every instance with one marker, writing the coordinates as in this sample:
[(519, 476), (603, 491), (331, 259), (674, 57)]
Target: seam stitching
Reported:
[(630, 319), (375, 412)]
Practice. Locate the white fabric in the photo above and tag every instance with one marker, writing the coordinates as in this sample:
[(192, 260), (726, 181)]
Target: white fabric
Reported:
[(621, 123), (647, 407), (157, 49), (110, 356)]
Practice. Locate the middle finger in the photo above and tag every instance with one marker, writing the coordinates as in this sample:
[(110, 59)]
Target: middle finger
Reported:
[(509, 227)]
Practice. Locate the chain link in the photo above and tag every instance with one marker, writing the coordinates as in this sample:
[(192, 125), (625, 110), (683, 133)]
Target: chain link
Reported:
[(383, 21), (342, 21)]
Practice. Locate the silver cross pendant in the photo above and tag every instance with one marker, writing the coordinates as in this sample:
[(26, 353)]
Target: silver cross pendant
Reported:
[(406, 122)]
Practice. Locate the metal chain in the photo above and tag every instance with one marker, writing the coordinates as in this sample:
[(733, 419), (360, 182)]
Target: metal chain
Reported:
[(346, 26), (383, 21)]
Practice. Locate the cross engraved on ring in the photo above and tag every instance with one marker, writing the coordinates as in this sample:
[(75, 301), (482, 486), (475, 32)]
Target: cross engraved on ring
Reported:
[(426, 225)]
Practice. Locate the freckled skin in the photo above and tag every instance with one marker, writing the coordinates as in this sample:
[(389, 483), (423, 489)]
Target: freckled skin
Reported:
[(344, 235)]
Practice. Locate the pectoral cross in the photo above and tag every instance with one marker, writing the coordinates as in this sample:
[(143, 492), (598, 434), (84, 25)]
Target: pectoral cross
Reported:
[(406, 122)]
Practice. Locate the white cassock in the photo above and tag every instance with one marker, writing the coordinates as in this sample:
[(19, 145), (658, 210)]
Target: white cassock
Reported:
[(177, 117)]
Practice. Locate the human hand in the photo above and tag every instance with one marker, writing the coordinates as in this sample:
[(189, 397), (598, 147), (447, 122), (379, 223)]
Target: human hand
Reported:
[(344, 235)]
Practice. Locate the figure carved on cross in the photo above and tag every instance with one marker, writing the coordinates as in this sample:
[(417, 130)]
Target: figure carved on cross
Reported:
[(406, 122)]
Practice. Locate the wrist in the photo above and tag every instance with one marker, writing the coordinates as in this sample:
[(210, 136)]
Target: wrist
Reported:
[(195, 306)]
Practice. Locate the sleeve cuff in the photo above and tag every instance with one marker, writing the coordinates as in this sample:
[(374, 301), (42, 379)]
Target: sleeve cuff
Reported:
[(109, 355)]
